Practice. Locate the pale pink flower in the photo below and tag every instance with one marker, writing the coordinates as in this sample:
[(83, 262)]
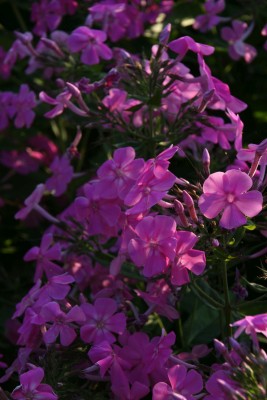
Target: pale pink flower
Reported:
[(235, 36), (155, 245), (228, 191)]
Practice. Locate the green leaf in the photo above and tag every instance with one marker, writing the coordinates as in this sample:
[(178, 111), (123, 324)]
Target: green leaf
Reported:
[(255, 286)]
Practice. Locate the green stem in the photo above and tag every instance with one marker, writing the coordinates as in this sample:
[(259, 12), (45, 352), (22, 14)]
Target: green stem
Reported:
[(227, 303), (18, 15), (209, 299)]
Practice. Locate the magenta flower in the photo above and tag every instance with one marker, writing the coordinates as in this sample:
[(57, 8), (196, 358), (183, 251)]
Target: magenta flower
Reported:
[(235, 36), (183, 385), (252, 325), (155, 245), (229, 192), (101, 320), (91, 43), (62, 175), (187, 258), (210, 19), (118, 175), (22, 106), (32, 388), (59, 323), (31, 202), (183, 44), (43, 255), (215, 387), (61, 102)]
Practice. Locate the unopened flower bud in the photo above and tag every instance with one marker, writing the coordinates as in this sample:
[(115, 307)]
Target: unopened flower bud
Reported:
[(215, 242), (165, 35), (179, 209), (50, 44), (189, 202), (206, 99), (206, 162), (25, 38)]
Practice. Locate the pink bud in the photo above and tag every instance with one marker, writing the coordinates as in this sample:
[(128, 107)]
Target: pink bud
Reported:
[(165, 35), (206, 161)]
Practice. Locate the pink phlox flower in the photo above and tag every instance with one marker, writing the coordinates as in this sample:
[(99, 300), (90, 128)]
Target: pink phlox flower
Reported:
[(238, 124), (194, 144), (183, 385), (59, 323), (148, 190), (47, 15), (28, 300), (252, 325), (61, 102), (29, 332), (44, 255), (235, 36), (219, 132), (183, 44), (161, 350), (117, 176), (207, 21), (44, 146), (222, 97), (115, 288), (91, 43), (17, 51), (257, 152), (101, 215), (155, 244), (81, 268), (62, 175), (160, 298), (31, 202), (113, 19), (102, 320), (160, 163), (118, 104), (18, 364), (32, 388), (105, 355), (23, 103), (186, 258), (229, 192)]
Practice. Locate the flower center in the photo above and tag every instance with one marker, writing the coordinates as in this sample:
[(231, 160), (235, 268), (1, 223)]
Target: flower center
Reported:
[(230, 198)]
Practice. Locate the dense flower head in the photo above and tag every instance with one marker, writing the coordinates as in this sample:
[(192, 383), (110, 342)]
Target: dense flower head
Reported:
[(228, 191)]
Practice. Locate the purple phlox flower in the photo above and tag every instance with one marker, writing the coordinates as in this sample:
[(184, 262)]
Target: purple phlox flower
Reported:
[(29, 332), (219, 132), (118, 104), (44, 146), (101, 215), (5, 69), (91, 43), (183, 385), (113, 19), (6, 106), (47, 15), (186, 258), (18, 365), (102, 320), (264, 33), (23, 162), (148, 190), (59, 323), (160, 299), (198, 351), (155, 244), (69, 6), (207, 21), (121, 387), (215, 389), (32, 388), (117, 176), (61, 102), (58, 286), (252, 325), (43, 255), (228, 191), (235, 36), (161, 350), (22, 106), (31, 202), (105, 355), (80, 267), (183, 44), (62, 175), (18, 50), (28, 300)]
